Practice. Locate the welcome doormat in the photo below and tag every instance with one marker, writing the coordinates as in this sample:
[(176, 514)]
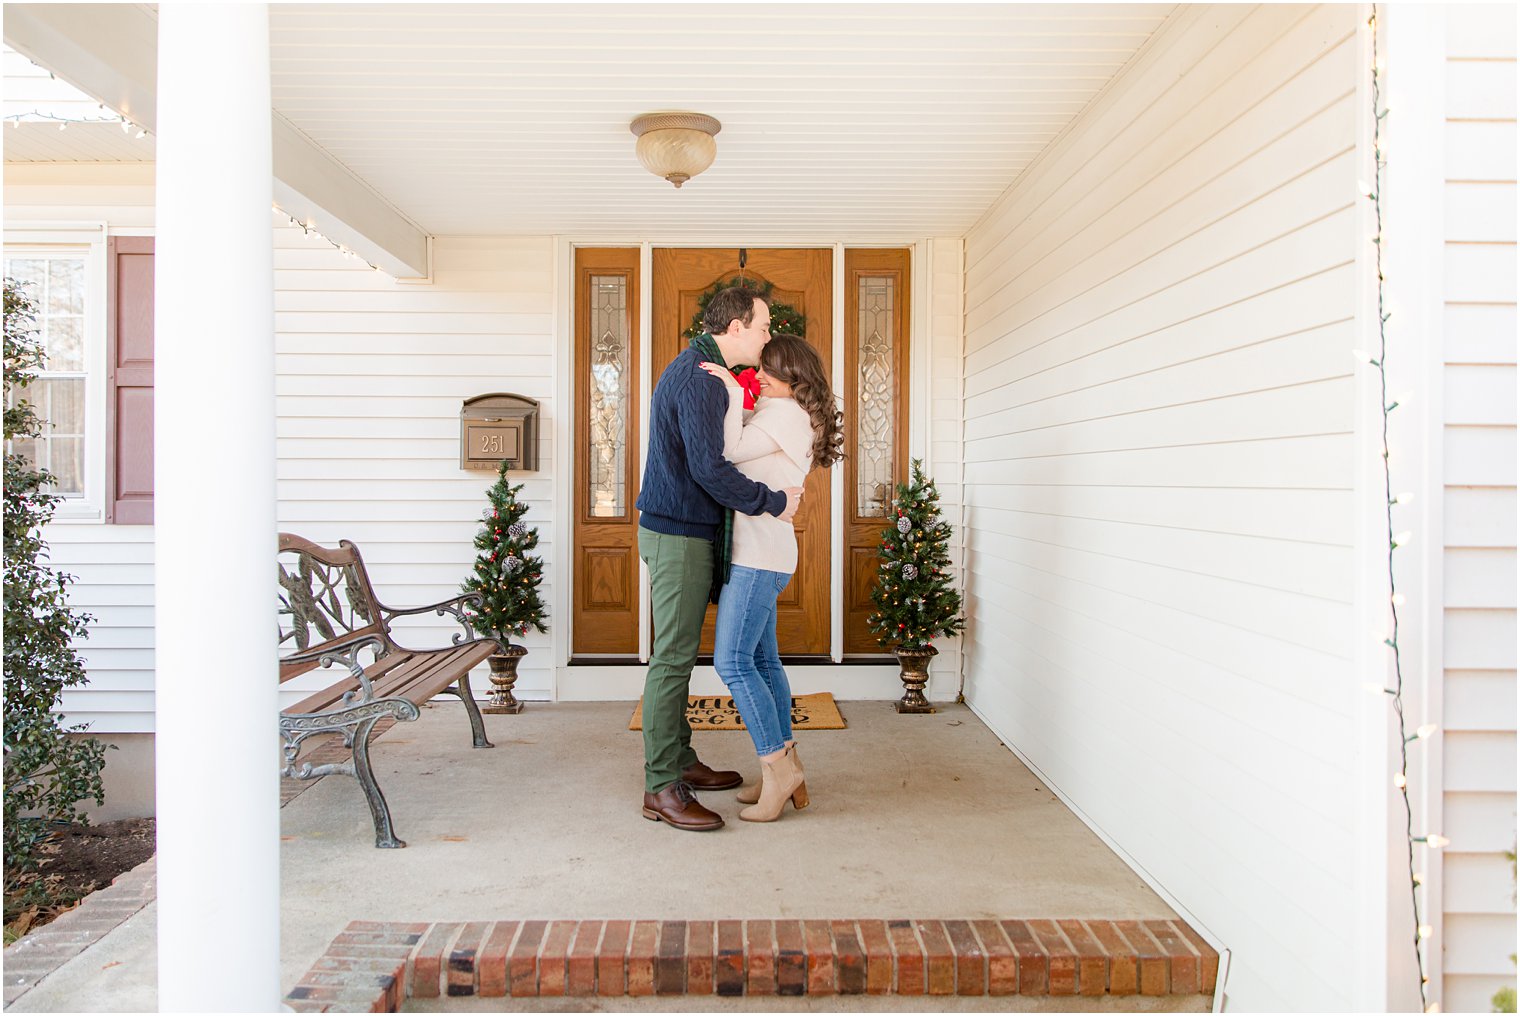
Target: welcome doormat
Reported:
[(717, 712)]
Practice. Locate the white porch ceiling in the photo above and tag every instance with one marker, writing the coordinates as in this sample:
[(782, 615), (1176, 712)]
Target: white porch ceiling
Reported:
[(838, 120), (80, 142)]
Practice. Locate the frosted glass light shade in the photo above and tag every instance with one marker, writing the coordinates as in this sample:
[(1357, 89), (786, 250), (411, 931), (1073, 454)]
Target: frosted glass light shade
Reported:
[(676, 146)]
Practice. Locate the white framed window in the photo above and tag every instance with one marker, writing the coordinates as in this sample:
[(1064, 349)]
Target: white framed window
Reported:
[(63, 269)]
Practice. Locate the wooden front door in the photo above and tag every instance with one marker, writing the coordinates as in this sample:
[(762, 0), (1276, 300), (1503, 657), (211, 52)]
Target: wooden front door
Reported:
[(802, 279)]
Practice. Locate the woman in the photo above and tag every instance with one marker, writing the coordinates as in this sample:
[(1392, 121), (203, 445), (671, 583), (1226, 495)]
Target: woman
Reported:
[(794, 428)]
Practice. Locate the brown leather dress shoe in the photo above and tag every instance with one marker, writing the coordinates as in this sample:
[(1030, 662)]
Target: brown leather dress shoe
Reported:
[(677, 806), (702, 778)]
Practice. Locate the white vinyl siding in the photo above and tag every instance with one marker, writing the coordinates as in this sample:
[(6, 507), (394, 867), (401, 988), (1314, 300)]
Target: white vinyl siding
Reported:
[(1478, 565), (370, 377), (113, 571), (1159, 479)]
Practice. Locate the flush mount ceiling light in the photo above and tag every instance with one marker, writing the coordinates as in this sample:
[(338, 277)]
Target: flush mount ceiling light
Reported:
[(676, 146)]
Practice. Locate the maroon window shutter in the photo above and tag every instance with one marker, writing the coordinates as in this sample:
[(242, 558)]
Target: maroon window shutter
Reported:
[(129, 381)]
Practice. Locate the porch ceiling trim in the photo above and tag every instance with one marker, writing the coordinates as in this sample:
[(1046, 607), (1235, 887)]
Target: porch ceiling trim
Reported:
[(110, 52)]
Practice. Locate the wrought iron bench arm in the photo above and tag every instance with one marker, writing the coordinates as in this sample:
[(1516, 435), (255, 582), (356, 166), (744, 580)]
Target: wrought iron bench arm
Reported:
[(345, 651), (350, 641), (455, 607)]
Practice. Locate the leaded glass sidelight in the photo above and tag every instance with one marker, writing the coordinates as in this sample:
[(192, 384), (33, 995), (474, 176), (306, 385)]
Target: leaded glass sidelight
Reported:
[(874, 449), (610, 367)]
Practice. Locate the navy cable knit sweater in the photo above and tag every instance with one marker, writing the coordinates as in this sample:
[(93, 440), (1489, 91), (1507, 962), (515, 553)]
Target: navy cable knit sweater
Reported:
[(687, 481)]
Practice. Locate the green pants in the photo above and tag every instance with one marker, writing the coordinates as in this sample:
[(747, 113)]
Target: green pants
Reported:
[(680, 577)]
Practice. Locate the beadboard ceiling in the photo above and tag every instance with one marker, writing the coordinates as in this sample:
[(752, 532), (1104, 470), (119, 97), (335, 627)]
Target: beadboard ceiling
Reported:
[(848, 121)]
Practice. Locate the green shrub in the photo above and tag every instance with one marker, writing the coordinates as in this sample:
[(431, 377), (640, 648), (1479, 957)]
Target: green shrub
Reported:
[(47, 772)]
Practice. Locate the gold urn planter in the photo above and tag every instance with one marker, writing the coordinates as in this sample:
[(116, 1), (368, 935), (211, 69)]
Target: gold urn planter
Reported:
[(503, 677), (915, 675)]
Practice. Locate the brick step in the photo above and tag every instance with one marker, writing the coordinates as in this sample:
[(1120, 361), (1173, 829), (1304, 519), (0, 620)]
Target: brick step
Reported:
[(376, 966)]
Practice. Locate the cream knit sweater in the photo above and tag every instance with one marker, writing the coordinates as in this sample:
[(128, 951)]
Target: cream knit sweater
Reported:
[(774, 445)]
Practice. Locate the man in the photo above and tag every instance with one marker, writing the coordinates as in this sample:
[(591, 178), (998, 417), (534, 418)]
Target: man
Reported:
[(688, 488)]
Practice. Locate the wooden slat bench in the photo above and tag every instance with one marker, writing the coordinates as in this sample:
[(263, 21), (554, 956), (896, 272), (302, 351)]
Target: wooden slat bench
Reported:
[(329, 614)]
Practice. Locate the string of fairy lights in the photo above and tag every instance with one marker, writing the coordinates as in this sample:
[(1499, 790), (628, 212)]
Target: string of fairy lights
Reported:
[(310, 230), (128, 125), (1396, 540)]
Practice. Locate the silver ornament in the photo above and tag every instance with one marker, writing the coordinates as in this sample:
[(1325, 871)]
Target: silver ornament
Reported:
[(903, 525)]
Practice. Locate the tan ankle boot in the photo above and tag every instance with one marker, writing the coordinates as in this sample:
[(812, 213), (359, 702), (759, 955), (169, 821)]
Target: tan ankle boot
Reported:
[(780, 780), (751, 794)]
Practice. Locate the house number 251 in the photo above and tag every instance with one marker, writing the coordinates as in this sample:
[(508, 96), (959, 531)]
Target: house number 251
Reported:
[(490, 444)]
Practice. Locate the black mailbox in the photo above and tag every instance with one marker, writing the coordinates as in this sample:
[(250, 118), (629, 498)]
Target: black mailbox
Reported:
[(498, 426)]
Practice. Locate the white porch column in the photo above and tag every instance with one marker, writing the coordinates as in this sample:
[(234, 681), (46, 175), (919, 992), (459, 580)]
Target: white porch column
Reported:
[(218, 785)]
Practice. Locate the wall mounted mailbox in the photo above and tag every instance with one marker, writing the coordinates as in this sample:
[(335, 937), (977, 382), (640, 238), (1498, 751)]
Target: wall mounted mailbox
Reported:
[(498, 426)]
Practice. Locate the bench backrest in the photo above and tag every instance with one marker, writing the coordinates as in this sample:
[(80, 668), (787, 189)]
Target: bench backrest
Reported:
[(325, 595)]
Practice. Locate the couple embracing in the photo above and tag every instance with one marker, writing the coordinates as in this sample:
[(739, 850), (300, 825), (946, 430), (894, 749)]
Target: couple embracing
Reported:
[(715, 525)]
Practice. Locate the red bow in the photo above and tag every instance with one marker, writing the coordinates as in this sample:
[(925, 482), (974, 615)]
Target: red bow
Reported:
[(749, 380)]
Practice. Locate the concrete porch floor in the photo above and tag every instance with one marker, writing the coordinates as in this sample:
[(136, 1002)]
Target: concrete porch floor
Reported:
[(927, 816)]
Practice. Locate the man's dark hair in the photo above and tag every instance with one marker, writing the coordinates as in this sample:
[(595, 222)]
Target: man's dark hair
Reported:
[(726, 305)]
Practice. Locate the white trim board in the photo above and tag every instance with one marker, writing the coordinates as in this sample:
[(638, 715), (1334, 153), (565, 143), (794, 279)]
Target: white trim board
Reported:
[(564, 430)]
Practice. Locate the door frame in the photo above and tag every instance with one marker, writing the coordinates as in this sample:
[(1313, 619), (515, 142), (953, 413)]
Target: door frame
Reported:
[(920, 434)]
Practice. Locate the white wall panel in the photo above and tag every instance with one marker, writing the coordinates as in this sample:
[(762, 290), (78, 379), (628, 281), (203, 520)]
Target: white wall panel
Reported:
[(369, 387), (370, 377), (1159, 468), (1478, 754), (113, 569)]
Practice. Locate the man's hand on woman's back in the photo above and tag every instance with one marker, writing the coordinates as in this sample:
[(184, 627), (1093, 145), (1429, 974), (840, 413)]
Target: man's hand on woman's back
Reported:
[(793, 502)]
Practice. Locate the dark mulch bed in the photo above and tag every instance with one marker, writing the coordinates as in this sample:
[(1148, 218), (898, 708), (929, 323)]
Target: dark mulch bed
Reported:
[(75, 862)]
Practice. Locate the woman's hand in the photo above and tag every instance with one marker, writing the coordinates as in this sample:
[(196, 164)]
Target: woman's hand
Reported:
[(721, 373)]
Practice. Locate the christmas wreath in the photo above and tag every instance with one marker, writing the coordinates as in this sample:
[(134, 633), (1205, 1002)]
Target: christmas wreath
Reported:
[(785, 319)]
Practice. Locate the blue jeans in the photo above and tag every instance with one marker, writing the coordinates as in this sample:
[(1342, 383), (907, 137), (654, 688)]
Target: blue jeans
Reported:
[(745, 655)]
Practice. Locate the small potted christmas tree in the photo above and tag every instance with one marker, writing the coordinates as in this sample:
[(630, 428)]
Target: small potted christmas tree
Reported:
[(506, 579), (915, 603)]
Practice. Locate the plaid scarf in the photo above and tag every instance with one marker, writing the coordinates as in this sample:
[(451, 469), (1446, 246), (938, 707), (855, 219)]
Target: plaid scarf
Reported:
[(723, 546)]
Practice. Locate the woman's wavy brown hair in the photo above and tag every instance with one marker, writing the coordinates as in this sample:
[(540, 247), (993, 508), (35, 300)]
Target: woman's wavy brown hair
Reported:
[(794, 361)]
